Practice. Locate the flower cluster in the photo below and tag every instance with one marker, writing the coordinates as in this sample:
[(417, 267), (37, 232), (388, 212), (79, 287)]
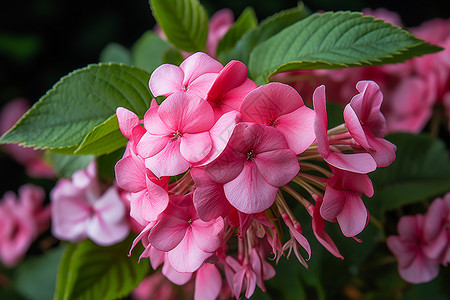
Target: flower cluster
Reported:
[(23, 218), (423, 242), (215, 164)]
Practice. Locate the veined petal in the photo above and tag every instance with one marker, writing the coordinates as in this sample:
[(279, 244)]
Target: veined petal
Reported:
[(130, 174), (297, 128), (333, 203), (127, 121), (249, 192), (150, 144), (187, 256), (174, 276), (231, 76), (195, 147), (168, 233), (168, 162), (208, 235), (353, 217), (356, 162), (166, 80), (202, 84), (277, 167), (198, 64), (354, 127)]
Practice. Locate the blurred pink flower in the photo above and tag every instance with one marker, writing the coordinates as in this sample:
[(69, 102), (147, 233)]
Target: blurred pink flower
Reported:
[(22, 219), (81, 209), (219, 24)]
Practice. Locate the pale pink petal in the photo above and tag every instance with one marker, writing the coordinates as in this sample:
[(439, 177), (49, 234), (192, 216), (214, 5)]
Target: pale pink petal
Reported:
[(353, 124), (353, 217), (154, 125), (277, 167), (208, 235), (297, 128), (435, 219), (249, 192), (202, 84), (168, 233), (421, 270), (208, 283), (198, 64), (404, 251), (179, 278), (130, 173), (195, 147), (209, 197), (187, 256), (127, 121), (219, 24), (168, 162), (156, 257), (110, 207), (107, 234), (166, 80)]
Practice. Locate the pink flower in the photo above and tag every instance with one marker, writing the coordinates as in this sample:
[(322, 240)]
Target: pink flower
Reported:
[(80, 210), (188, 240), (155, 286), (414, 265), (385, 15), (208, 283), (367, 125), (255, 163), (177, 134), (357, 162), (343, 201), (22, 219), (219, 24), (195, 74), (32, 159), (229, 88), (280, 106)]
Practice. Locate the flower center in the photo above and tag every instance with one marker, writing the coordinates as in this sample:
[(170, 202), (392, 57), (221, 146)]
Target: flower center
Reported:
[(250, 155), (176, 135), (190, 221), (272, 123)]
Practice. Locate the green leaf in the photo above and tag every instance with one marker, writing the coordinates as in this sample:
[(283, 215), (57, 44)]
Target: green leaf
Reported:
[(116, 53), (35, 277), (173, 56), (66, 165), (246, 21), (185, 22), (332, 41), (148, 52), (268, 28), (89, 271), (80, 102), (103, 139), (63, 270), (420, 171)]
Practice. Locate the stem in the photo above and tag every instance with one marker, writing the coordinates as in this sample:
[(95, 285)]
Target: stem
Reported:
[(313, 167)]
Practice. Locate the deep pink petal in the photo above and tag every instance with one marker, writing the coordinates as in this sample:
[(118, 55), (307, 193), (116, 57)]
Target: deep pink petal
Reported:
[(208, 283), (168, 162), (227, 166), (249, 192), (231, 76), (297, 128), (209, 197), (166, 80), (435, 219), (198, 64), (187, 256), (168, 233), (382, 151), (277, 167), (410, 227), (195, 147), (353, 217), (333, 203), (267, 102)]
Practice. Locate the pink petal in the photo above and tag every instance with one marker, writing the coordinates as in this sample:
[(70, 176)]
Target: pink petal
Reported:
[(277, 167), (297, 128), (107, 234), (353, 217), (166, 80), (208, 235), (209, 197), (227, 166), (130, 173), (198, 64), (421, 270), (231, 76), (435, 219), (154, 125), (110, 207), (249, 192), (202, 84), (150, 144), (208, 283), (362, 163), (179, 278), (267, 102), (333, 203), (168, 162), (187, 256), (354, 126), (127, 121), (187, 113), (383, 151), (410, 227), (195, 147), (404, 252), (168, 233)]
